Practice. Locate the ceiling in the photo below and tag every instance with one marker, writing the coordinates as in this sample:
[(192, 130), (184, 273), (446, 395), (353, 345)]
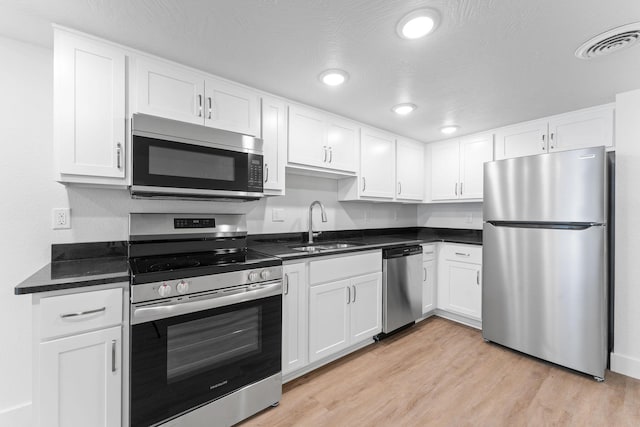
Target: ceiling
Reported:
[(490, 62)]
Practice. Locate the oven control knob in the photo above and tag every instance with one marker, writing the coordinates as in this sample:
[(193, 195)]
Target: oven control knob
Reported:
[(253, 276), (265, 274), (164, 290), (182, 287)]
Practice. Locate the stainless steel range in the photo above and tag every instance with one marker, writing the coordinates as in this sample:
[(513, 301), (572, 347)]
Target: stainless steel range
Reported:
[(206, 317)]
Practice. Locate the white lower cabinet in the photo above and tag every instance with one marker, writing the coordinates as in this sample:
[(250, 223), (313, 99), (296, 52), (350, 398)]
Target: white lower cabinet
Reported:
[(460, 280), (366, 300), (294, 317), (331, 306), (343, 313), (78, 359), (328, 318), (428, 278), (81, 380)]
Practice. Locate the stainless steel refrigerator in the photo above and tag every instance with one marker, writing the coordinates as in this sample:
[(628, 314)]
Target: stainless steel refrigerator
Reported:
[(545, 272)]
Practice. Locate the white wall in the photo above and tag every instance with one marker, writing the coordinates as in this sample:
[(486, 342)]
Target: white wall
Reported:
[(29, 193), (302, 190), (626, 355), (451, 215)]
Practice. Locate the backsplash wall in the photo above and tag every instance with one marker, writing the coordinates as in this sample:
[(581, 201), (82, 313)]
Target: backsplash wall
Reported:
[(451, 215)]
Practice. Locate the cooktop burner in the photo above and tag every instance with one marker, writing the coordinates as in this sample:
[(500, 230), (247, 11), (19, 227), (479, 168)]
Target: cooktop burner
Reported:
[(177, 262), (165, 267)]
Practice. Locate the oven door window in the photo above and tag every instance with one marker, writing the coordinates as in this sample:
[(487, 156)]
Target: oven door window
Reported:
[(179, 165), (182, 362)]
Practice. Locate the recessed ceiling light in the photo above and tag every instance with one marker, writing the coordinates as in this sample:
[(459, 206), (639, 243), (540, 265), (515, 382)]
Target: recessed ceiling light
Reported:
[(404, 109), (418, 23), (333, 77), (449, 129)]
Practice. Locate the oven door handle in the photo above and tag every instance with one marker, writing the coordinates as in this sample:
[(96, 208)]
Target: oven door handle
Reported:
[(219, 299)]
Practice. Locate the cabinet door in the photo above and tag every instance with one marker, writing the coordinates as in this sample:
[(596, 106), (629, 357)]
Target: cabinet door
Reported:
[(294, 318), (167, 90), (328, 318), (231, 107), (377, 164), (463, 284), (89, 107), (80, 380), (274, 138), (366, 307), (307, 137), (445, 170), (342, 137), (581, 129), (410, 170), (521, 140), (474, 152), (428, 286)]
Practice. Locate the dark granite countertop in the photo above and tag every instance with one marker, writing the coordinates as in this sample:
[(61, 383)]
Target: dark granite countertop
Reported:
[(281, 245), (88, 264), (79, 265)]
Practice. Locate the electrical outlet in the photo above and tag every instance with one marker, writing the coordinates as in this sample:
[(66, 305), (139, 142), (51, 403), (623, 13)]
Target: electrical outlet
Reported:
[(469, 218), (61, 218)]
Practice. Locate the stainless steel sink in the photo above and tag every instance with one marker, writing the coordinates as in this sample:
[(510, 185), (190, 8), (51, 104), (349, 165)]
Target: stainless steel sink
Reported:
[(325, 247)]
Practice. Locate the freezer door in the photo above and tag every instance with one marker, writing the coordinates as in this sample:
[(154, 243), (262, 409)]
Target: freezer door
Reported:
[(567, 186), (544, 293)]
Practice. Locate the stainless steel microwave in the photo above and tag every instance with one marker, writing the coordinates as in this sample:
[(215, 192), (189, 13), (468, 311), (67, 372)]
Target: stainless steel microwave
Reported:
[(178, 160)]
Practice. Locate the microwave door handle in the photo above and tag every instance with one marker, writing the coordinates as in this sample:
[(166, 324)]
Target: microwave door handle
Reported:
[(219, 299)]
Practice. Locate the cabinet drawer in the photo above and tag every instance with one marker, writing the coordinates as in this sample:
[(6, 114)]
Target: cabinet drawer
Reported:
[(428, 252), (464, 253), (331, 269), (74, 313)]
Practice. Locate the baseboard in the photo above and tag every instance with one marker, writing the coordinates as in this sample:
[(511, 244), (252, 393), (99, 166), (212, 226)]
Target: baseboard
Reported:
[(625, 365), (17, 416), (458, 318)]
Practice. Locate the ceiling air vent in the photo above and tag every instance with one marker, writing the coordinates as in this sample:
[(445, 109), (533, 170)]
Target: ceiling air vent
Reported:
[(613, 40)]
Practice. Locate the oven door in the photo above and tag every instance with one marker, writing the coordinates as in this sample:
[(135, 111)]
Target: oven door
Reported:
[(193, 357), (170, 168)]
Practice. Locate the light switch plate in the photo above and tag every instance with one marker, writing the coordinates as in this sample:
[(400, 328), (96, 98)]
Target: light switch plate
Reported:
[(277, 215), (469, 218)]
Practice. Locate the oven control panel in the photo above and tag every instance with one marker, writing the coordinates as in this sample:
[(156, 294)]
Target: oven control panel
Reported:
[(182, 288)]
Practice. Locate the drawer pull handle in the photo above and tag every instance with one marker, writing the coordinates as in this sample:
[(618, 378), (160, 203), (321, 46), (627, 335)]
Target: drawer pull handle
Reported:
[(354, 293), (348, 295), (462, 254), (478, 277), (429, 253), (286, 284), (425, 275), (83, 313)]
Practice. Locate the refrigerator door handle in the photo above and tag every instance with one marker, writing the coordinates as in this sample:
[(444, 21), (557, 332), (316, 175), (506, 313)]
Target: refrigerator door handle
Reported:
[(547, 225)]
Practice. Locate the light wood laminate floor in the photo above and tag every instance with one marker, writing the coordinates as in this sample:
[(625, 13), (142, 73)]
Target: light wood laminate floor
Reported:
[(440, 373)]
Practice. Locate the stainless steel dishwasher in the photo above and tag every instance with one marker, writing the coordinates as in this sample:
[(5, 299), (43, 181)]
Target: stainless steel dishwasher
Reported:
[(401, 287)]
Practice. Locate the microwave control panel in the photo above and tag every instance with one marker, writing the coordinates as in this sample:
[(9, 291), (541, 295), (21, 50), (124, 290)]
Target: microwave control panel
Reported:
[(255, 180)]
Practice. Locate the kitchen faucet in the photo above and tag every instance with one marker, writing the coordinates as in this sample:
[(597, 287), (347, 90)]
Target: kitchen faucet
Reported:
[(324, 218)]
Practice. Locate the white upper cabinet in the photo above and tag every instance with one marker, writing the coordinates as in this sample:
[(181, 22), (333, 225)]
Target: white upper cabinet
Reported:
[(274, 138), (307, 137), (321, 141), (377, 164), (584, 128), (231, 107), (409, 170), (520, 140), (445, 170), (168, 90), (475, 151), (589, 127), (457, 167), (342, 142), (89, 110)]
